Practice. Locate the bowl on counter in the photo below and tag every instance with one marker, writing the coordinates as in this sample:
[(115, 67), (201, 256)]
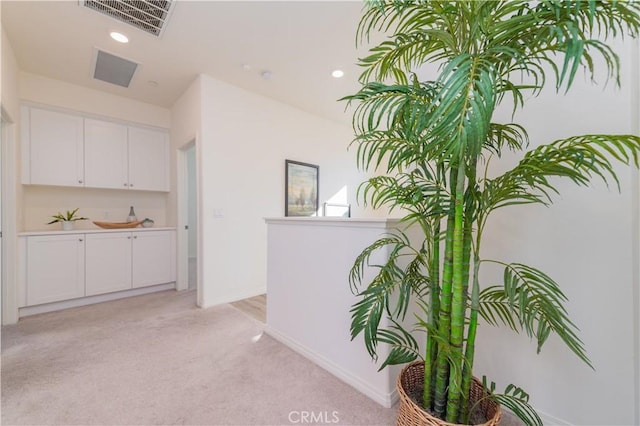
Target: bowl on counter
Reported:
[(118, 225)]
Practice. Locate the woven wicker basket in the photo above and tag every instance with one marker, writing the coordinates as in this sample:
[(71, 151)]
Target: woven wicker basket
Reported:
[(411, 414)]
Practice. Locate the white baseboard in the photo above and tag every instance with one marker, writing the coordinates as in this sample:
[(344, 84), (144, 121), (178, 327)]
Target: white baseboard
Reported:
[(385, 399), (74, 303), (549, 420)]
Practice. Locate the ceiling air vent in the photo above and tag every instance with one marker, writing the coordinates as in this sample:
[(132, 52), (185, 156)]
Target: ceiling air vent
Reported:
[(113, 69), (148, 15)]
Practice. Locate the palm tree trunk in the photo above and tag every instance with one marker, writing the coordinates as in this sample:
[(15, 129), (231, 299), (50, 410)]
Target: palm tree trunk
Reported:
[(444, 319), (466, 259), (457, 300), (431, 346), (467, 371)]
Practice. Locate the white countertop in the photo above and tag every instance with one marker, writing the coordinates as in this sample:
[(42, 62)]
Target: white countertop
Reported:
[(93, 231)]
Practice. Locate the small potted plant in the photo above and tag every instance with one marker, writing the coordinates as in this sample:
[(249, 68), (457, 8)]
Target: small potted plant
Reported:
[(67, 219)]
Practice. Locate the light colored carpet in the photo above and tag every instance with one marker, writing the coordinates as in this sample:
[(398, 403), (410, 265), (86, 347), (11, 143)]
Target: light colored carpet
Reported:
[(157, 359)]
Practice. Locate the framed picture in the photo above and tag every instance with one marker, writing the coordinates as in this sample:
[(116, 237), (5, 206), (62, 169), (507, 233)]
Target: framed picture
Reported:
[(301, 189)]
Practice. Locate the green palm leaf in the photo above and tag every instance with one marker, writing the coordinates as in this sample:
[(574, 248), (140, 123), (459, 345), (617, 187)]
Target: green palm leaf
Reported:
[(531, 301), (516, 400)]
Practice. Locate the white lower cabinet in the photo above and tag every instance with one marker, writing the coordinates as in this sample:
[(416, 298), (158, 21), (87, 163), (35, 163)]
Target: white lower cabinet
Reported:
[(64, 267), (153, 258), (54, 268), (108, 263)]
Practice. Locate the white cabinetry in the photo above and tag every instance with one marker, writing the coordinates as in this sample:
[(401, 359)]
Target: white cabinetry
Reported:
[(123, 260), (54, 268), (68, 266), (105, 154), (108, 262), (153, 258), (53, 148), (148, 159), (71, 150)]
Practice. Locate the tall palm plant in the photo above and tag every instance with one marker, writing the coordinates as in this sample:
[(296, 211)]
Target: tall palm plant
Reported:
[(430, 141)]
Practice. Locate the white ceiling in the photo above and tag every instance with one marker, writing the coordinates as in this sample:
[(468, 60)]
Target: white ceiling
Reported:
[(300, 42)]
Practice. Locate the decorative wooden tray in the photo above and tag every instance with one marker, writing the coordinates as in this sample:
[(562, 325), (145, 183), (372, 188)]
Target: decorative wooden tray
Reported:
[(118, 225)]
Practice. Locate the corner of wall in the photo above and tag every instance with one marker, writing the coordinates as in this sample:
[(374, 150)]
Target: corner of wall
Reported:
[(635, 220)]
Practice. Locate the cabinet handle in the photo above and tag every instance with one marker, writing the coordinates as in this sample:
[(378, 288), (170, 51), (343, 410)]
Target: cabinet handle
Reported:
[(135, 238), (79, 181), (80, 239), (131, 185), (126, 184), (129, 237)]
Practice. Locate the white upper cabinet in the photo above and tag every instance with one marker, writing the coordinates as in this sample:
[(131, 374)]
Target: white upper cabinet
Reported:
[(70, 150), (148, 159), (53, 148), (105, 154)]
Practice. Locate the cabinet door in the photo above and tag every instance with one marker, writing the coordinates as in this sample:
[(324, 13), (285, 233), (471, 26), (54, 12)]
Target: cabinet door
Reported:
[(153, 258), (105, 154), (55, 268), (55, 148), (108, 262), (148, 159)]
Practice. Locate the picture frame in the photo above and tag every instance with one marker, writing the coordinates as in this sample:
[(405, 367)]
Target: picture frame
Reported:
[(301, 188)]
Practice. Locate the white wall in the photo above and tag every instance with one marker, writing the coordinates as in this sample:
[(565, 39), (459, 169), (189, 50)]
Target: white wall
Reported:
[(585, 242), (635, 178), (244, 141), (9, 87), (309, 296), (11, 190), (97, 204), (40, 202), (38, 89)]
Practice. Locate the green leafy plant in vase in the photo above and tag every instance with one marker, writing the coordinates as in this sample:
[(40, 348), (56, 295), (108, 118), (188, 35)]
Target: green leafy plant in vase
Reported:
[(67, 219), (429, 142)]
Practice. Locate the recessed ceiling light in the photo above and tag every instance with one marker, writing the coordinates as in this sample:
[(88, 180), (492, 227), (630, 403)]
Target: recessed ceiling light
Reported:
[(246, 67), (266, 74), (152, 83), (337, 73), (119, 37)]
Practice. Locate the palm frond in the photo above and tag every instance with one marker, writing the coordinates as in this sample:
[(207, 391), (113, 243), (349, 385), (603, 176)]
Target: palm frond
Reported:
[(391, 281), (578, 158), (536, 302), (410, 191), (399, 241), (404, 347), (516, 400)]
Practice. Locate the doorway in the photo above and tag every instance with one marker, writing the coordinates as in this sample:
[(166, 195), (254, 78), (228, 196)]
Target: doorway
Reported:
[(188, 251), (192, 217)]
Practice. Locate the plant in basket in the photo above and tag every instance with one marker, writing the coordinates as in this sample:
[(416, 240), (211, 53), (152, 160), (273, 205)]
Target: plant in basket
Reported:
[(430, 141)]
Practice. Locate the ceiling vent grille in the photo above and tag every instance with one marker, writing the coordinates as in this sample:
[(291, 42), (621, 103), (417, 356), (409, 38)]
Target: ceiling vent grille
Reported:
[(147, 15), (113, 69)]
